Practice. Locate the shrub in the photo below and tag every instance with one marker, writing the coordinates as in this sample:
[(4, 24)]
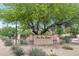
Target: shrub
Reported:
[(4, 38), (18, 51), (37, 52), (67, 39), (23, 42), (67, 47), (8, 42)]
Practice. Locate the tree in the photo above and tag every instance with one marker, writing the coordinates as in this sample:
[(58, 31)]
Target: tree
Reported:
[(9, 17), (40, 17), (7, 31)]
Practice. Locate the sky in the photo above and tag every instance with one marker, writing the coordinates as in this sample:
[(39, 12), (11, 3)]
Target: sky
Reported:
[(2, 6), (2, 24)]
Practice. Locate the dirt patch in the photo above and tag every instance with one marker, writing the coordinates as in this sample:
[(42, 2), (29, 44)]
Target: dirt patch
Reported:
[(6, 50)]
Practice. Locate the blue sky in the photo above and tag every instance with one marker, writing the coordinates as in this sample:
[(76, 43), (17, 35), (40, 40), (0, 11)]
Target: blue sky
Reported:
[(2, 6), (2, 24)]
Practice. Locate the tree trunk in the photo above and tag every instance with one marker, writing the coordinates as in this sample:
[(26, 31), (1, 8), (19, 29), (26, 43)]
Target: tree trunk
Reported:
[(38, 27), (16, 34)]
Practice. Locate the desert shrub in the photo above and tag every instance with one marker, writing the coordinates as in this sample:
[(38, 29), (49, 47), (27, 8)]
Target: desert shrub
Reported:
[(67, 47), (67, 39), (4, 38), (23, 42), (36, 52), (17, 51), (8, 42)]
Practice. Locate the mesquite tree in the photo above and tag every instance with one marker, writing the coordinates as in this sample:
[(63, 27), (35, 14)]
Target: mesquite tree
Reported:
[(40, 17)]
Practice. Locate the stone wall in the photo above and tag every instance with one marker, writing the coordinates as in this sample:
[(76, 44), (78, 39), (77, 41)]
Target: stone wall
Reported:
[(43, 39)]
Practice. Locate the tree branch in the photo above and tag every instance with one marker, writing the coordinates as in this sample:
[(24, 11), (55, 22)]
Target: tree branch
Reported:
[(31, 24)]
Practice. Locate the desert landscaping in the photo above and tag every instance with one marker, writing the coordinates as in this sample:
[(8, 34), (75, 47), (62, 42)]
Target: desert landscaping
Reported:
[(50, 29), (56, 50)]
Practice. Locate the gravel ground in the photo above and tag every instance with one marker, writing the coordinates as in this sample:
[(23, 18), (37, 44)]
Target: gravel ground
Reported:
[(6, 51)]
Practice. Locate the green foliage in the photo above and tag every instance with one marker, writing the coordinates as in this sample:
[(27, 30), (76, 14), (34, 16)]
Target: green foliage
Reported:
[(18, 51), (41, 16), (59, 30), (36, 52), (67, 47), (75, 30), (26, 32), (7, 31), (8, 42), (67, 39)]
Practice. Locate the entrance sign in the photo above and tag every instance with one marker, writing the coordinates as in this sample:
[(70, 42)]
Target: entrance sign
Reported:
[(45, 40)]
